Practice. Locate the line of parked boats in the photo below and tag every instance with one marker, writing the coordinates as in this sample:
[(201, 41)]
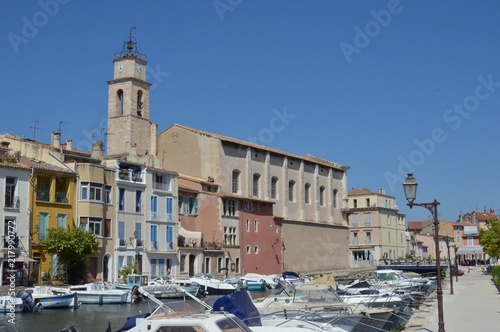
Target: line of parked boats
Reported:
[(294, 303)]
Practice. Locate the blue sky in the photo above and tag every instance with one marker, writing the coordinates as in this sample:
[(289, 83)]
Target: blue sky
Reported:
[(385, 87)]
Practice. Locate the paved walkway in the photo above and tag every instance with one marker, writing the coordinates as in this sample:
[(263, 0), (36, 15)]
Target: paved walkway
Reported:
[(475, 306)]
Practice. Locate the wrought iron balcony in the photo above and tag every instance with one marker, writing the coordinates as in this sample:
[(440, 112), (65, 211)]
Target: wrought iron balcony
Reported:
[(12, 202)]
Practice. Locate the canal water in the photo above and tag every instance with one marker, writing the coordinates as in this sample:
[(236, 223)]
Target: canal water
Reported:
[(87, 318)]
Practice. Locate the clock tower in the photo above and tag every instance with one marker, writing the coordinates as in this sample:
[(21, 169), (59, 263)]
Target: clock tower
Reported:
[(129, 127)]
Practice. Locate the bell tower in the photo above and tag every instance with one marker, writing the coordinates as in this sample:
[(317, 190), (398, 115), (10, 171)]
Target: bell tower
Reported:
[(129, 127)]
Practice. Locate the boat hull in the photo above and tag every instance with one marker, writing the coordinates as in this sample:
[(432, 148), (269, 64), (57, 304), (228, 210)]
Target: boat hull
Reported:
[(57, 301), (11, 304), (103, 298)]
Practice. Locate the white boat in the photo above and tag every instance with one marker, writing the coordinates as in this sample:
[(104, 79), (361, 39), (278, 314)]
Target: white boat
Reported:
[(11, 304), (398, 279), (52, 298), (159, 287), (181, 316), (101, 293), (319, 301), (270, 280), (213, 286)]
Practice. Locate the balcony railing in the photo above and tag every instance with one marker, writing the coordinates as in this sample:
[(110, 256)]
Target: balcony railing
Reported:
[(122, 243), (154, 246), (139, 243), (43, 195), (154, 215), (130, 175), (12, 202), (161, 186), (61, 197), (170, 216)]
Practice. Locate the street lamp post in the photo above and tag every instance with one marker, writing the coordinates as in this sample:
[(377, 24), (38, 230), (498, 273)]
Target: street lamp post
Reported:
[(410, 188), (447, 240), (456, 262)]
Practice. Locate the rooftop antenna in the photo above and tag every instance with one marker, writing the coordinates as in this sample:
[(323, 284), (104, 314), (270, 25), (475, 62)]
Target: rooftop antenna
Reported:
[(35, 127), (60, 127)]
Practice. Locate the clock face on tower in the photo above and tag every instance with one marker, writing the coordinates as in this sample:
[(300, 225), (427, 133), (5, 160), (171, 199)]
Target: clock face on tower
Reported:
[(139, 68), (121, 67)]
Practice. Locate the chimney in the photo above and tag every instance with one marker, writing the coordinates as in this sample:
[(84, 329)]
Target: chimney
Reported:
[(69, 144), (55, 141), (97, 150), (381, 191)]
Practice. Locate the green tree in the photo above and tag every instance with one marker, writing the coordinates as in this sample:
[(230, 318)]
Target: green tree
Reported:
[(73, 247), (489, 238)]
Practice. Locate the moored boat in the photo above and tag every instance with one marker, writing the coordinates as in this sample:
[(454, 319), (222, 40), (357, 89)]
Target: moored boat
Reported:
[(101, 293), (54, 298), (11, 304), (213, 286)]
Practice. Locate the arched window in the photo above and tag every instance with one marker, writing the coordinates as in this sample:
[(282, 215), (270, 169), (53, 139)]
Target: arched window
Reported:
[(274, 185), (307, 188), (139, 103), (119, 101), (321, 196), (255, 188), (235, 179), (207, 264), (291, 185)]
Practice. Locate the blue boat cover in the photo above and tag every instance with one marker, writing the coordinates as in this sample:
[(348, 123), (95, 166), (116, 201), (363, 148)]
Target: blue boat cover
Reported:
[(239, 304), (130, 323)]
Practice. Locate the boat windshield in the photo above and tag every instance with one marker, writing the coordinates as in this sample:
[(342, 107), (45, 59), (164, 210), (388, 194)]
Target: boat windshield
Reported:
[(174, 309), (316, 293)]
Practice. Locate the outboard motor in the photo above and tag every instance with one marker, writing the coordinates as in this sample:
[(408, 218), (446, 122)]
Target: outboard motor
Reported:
[(28, 303)]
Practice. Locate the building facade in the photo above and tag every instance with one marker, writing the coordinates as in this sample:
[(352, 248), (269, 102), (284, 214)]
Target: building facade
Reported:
[(377, 229), (307, 192)]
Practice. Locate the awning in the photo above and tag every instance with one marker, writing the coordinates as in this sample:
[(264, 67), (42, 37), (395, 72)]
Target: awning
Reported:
[(190, 237), (24, 259), (470, 250)]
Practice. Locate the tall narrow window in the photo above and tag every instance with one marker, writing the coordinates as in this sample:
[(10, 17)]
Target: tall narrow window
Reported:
[(107, 194), (154, 207), (121, 199), (307, 188), (170, 238), (235, 183), (119, 97), (138, 201), (121, 233), (170, 208), (291, 196), (139, 103), (334, 198), (138, 234), (61, 220), (43, 224), (274, 185), (11, 200), (255, 190), (154, 237), (322, 196)]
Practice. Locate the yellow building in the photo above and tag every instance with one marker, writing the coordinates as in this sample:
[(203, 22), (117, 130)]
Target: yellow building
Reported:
[(52, 205)]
